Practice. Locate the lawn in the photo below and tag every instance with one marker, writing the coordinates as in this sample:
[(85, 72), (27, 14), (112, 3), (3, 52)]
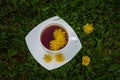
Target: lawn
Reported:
[(18, 17)]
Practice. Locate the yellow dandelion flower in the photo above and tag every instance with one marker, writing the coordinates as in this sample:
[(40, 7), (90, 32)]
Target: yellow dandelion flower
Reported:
[(47, 58), (59, 57), (54, 45), (57, 44), (59, 34), (88, 28), (85, 60)]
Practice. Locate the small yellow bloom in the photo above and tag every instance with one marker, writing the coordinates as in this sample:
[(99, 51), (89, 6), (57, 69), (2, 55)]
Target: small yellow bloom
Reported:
[(54, 45), (88, 28), (59, 57), (59, 34), (85, 60), (48, 57)]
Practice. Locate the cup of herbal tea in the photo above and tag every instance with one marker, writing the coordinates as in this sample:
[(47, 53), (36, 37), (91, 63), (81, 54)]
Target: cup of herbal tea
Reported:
[(55, 37)]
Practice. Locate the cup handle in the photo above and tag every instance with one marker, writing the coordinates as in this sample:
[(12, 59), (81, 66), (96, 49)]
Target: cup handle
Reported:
[(73, 39)]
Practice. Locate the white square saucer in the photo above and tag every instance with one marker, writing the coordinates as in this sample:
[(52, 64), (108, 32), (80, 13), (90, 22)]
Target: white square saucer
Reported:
[(37, 51)]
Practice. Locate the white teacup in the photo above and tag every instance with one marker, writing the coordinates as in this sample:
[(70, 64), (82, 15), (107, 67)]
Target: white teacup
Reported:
[(69, 38)]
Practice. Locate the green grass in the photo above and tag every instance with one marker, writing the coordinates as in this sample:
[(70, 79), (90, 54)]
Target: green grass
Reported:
[(18, 17)]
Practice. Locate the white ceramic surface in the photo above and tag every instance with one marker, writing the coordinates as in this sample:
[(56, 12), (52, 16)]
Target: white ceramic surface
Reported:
[(38, 52)]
